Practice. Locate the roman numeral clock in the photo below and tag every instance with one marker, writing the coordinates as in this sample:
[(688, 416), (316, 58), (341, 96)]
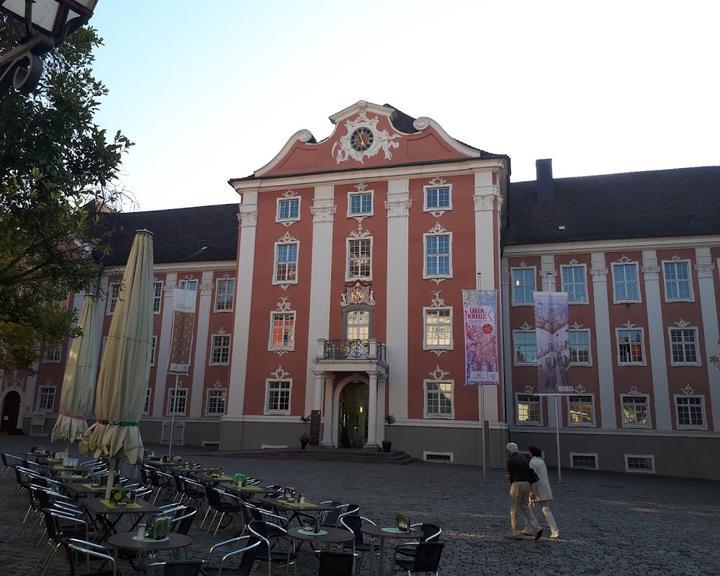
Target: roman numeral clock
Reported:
[(363, 140)]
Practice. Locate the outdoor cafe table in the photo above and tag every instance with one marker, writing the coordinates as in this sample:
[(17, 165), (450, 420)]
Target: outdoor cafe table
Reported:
[(130, 541), (326, 535), (247, 491), (293, 510), (100, 509), (82, 489), (382, 533)]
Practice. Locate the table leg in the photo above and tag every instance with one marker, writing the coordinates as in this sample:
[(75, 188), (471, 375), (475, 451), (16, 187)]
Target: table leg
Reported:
[(382, 557), (372, 556)]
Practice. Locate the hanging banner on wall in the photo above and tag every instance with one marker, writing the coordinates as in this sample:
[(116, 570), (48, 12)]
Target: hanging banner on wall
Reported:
[(551, 335), (480, 329), (182, 333)]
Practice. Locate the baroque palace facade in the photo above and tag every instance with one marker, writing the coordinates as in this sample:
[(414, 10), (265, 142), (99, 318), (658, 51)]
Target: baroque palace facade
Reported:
[(334, 285)]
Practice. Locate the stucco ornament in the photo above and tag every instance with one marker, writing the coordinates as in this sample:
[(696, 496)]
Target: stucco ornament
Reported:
[(342, 150)]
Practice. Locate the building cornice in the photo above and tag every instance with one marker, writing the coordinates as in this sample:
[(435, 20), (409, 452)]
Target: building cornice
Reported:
[(612, 245), (452, 168), (179, 267)]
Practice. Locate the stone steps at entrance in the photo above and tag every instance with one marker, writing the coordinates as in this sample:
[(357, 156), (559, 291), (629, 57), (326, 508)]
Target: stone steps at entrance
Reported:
[(366, 455)]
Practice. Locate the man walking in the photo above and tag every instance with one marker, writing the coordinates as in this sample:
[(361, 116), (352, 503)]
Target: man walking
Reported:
[(518, 473)]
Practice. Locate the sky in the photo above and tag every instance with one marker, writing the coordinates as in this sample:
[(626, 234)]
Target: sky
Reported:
[(210, 91)]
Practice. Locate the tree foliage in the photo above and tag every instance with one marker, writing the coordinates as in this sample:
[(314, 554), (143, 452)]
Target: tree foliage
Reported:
[(58, 172)]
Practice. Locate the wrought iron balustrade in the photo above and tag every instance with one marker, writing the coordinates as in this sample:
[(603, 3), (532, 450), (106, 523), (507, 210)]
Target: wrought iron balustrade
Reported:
[(353, 350)]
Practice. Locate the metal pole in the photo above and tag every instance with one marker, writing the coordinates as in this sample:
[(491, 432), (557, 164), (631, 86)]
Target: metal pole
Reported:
[(173, 406), (557, 434), (481, 392)]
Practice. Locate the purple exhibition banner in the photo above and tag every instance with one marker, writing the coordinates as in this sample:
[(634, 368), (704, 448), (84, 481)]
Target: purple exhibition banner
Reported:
[(553, 350), (481, 345)]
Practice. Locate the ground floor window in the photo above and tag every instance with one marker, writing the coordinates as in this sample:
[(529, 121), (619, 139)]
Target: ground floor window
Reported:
[(177, 401), (215, 401), (635, 411), (690, 411), (438, 399), (580, 410), (46, 398), (528, 409), (277, 396)]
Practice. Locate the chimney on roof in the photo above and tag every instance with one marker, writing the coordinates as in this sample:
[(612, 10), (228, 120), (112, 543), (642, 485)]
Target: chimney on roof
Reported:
[(544, 182)]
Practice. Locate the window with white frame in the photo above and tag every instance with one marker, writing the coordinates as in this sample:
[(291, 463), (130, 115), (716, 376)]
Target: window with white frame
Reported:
[(359, 259), (640, 463), (53, 354), (626, 283), (523, 285), (524, 347), (277, 396), (360, 203), (113, 297), (220, 353), (215, 401), (579, 343), (438, 329), (148, 400), (46, 398), (635, 410), (690, 412), (357, 325), (438, 399), (177, 401), (683, 347), (152, 350), (438, 255), (528, 409), (224, 290), (573, 280), (282, 331), (188, 284), (630, 346), (581, 411), (288, 209), (437, 198), (157, 297), (678, 283), (286, 263)]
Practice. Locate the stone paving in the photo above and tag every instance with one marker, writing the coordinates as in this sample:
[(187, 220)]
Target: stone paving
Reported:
[(610, 524)]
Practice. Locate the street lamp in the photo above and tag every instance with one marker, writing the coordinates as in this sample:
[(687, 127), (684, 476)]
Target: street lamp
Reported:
[(47, 23)]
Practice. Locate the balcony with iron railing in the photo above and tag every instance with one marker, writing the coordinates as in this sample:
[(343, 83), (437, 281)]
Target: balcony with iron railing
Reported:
[(351, 354)]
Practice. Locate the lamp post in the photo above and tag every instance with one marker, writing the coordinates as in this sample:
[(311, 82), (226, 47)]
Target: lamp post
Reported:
[(47, 23)]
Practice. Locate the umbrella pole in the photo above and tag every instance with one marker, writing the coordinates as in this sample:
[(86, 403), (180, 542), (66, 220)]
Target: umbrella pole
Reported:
[(111, 477)]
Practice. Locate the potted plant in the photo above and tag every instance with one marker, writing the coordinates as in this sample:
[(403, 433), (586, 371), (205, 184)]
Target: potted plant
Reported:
[(387, 444), (305, 437)]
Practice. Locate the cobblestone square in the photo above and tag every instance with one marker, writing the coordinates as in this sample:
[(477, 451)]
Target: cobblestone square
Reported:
[(610, 524)]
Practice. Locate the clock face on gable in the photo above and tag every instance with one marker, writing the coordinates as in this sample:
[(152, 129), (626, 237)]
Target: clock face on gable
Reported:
[(361, 139)]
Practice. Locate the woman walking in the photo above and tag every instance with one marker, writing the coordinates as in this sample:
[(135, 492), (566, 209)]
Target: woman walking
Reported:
[(540, 492)]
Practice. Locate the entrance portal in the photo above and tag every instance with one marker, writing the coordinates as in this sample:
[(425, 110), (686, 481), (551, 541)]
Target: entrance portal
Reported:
[(353, 415), (10, 413)]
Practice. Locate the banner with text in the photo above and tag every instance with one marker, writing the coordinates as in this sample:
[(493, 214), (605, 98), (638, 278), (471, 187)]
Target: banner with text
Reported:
[(481, 345), (551, 335), (182, 332)]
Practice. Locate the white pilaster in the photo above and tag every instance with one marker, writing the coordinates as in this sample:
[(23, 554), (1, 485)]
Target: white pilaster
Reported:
[(396, 330), (201, 344), (163, 346), (323, 212), (705, 271), (243, 302), (656, 338), (372, 409), (486, 199), (328, 416), (598, 269), (319, 383), (380, 428)]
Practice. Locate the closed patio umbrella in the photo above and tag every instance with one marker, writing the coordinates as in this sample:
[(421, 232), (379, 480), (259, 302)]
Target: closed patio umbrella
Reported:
[(125, 364), (80, 376)]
